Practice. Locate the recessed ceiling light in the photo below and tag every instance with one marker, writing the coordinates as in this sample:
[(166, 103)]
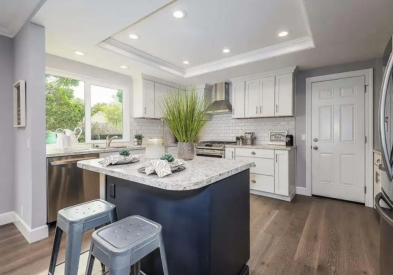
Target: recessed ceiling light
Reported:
[(282, 34), (186, 62), (123, 67), (134, 36), (180, 14), (79, 53), (226, 50)]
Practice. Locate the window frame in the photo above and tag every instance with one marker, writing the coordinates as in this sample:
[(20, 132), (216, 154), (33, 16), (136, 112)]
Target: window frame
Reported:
[(88, 82)]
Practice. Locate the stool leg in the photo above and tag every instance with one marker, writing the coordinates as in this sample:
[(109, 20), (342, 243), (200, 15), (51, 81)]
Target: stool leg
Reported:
[(55, 250), (102, 265), (123, 271), (113, 216), (90, 261), (136, 268), (74, 243), (163, 256)]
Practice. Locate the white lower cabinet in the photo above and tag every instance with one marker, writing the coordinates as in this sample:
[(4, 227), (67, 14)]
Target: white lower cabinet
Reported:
[(273, 174), (230, 153)]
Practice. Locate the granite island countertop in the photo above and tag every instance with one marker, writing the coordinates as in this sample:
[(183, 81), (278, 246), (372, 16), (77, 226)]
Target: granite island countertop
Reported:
[(199, 172), (262, 146)]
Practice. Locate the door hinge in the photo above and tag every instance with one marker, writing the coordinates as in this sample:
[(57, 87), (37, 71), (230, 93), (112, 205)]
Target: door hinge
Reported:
[(365, 139), (365, 88), (365, 189)]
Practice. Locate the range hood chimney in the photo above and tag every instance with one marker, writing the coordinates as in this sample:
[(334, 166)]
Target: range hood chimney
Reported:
[(221, 104)]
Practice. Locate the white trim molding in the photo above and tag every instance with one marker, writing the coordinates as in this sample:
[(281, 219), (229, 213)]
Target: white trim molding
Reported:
[(296, 45), (369, 130), (301, 191), (7, 218), (31, 235)]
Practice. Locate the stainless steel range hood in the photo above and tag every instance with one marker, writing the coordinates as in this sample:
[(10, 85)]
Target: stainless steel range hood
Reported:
[(221, 105)]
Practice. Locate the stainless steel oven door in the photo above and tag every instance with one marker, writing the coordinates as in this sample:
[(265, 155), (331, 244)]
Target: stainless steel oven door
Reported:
[(210, 153)]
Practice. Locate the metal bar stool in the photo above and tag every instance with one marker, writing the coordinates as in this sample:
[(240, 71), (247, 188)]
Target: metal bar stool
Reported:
[(76, 220), (124, 243)]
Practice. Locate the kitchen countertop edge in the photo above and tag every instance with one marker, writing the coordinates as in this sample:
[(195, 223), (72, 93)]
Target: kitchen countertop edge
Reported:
[(93, 151)]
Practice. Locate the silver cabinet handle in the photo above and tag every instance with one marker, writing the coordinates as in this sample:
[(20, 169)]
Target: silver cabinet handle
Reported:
[(233, 111), (145, 110), (253, 181), (253, 153), (276, 157), (276, 108), (382, 122), (260, 109), (233, 155), (256, 109)]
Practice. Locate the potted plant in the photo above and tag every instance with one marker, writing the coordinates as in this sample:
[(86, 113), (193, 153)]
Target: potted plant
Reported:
[(185, 114), (139, 138), (124, 153)]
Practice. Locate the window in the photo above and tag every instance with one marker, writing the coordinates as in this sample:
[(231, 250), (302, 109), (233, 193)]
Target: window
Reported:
[(95, 107)]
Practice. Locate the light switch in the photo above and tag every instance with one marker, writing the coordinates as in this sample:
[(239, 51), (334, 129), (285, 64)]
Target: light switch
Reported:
[(28, 143), (303, 137)]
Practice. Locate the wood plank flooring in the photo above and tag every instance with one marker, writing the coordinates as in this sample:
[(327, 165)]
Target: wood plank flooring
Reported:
[(307, 236)]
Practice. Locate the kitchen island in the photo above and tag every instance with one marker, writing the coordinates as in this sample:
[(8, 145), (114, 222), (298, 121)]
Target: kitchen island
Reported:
[(204, 211)]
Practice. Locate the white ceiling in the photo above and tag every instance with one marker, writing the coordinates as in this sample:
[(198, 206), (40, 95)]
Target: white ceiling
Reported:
[(14, 13), (342, 31), (211, 26)]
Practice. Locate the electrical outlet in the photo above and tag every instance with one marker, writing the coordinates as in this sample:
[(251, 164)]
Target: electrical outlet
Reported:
[(28, 143), (21, 210)]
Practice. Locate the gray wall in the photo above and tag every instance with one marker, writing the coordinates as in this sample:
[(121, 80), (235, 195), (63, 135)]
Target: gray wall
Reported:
[(30, 151), (376, 64), (6, 121)]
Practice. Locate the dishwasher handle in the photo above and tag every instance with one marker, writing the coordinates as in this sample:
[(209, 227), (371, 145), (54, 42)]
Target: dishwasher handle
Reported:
[(69, 161), (382, 212)]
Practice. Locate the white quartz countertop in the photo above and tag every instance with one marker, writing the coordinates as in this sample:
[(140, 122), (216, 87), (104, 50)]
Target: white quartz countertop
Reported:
[(199, 172), (263, 146), (58, 153)]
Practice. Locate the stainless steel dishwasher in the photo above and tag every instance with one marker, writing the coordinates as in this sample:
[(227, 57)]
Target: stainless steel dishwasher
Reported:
[(69, 185)]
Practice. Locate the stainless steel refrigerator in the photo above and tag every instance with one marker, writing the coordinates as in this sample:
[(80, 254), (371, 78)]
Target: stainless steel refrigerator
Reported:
[(384, 200)]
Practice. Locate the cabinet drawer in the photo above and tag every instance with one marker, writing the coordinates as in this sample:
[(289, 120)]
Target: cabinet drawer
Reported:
[(255, 153), (377, 159), (262, 183), (262, 166)]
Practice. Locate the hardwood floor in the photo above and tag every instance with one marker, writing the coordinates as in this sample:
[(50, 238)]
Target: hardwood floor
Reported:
[(308, 236)]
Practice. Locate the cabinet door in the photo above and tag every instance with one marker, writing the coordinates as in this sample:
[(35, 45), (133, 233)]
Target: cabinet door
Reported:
[(148, 99), (252, 102), (267, 86), (230, 153), (281, 173), (238, 97), (159, 93), (284, 95)]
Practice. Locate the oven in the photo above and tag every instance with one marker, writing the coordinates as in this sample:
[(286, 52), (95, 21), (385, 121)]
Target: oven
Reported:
[(212, 149)]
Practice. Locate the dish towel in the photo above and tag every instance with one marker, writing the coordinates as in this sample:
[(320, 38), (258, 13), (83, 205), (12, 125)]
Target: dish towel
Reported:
[(117, 158), (163, 167)]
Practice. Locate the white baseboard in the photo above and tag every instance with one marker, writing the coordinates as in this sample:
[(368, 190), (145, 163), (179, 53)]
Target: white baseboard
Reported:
[(302, 191), (31, 235), (6, 218), (274, 196)]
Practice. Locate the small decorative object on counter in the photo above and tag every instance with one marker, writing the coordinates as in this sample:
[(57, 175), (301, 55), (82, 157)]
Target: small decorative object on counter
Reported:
[(154, 148), (241, 140), (139, 138), (168, 157), (277, 138), (124, 153), (249, 138), (289, 140), (135, 142), (155, 166), (120, 159)]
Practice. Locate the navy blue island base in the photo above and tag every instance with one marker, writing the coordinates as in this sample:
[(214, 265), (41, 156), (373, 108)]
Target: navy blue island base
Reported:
[(206, 231)]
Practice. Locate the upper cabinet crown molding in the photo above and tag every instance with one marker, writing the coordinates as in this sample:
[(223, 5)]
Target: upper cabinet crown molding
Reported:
[(290, 70)]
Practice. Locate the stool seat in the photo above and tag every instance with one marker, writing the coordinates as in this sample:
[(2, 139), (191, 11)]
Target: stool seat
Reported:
[(76, 220), (123, 244), (125, 235)]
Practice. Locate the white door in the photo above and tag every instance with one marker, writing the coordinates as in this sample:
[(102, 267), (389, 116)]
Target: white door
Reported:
[(338, 139), (148, 99), (252, 98), (281, 172), (266, 109), (284, 95), (238, 99)]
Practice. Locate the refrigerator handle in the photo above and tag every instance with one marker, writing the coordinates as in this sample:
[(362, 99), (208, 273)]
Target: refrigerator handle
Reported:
[(382, 212), (382, 118)]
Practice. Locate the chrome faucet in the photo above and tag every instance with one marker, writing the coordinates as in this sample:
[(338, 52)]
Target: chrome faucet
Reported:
[(109, 140)]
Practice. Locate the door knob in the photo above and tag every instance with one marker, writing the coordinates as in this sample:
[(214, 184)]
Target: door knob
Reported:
[(253, 181), (315, 147), (315, 140)]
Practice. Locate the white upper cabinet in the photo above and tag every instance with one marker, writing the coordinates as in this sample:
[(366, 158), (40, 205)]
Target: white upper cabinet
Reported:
[(148, 99), (284, 95), (252, 101), (238, 96), (264, 95), (159, 93)]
